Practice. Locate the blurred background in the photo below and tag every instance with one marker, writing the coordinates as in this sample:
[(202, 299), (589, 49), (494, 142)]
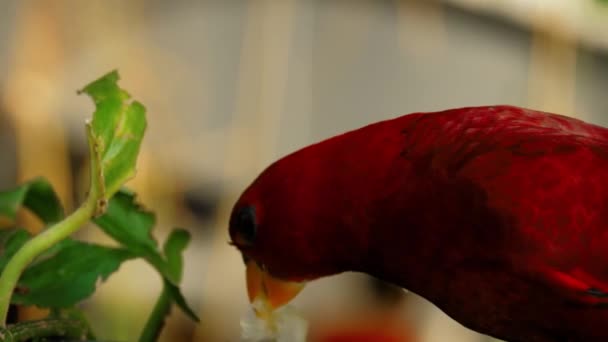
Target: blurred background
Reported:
[(231, 86)]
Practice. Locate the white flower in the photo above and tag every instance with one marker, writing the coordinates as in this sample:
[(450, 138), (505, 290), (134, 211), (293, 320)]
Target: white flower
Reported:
[(261, 324)]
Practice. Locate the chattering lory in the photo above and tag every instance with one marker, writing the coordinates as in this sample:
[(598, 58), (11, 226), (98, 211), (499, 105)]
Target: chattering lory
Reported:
[(498, 215)]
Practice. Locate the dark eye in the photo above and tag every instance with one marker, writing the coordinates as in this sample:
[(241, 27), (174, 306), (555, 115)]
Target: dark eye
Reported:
[(244, 225)]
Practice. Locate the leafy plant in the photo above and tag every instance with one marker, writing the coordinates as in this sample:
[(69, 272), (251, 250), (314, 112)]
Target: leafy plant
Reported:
[(52, 270)]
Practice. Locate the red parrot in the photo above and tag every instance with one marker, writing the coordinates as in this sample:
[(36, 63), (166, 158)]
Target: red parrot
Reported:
[(497, 215)]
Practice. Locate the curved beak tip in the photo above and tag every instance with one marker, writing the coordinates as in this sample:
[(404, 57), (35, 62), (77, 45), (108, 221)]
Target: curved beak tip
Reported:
[(275, 292)]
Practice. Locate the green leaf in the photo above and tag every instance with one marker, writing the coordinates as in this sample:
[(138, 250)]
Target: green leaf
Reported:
[(11, 201), (38, 196), (178, 298), (176, 243), (69, 276), (174, 246), (10, 242), (131, 225), (117, 130)]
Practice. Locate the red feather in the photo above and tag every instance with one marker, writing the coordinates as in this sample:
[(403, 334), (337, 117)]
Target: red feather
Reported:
[(498, 215)]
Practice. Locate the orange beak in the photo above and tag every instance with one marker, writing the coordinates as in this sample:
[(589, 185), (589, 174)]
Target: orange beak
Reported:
[(273, 291)]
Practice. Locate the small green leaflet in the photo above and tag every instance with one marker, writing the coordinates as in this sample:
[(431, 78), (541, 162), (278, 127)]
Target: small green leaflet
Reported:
[(178, 298), (175, 245), (38, 196), (117, 130)]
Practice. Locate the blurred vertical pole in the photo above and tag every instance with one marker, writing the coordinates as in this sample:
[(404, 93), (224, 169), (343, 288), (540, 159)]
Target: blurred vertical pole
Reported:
[(421, 27), (422, 33), (252, 144), (36, 65), (552, 71)]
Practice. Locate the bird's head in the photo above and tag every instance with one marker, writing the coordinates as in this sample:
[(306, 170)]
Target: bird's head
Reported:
[(294, 224)]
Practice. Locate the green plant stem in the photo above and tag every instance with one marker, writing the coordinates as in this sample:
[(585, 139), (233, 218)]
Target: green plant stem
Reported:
[(37, 245), (55, 327), (94, 204), (156, 321)]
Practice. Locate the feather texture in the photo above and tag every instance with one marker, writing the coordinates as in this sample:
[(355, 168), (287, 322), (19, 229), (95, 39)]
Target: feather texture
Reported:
[(498, 215)]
